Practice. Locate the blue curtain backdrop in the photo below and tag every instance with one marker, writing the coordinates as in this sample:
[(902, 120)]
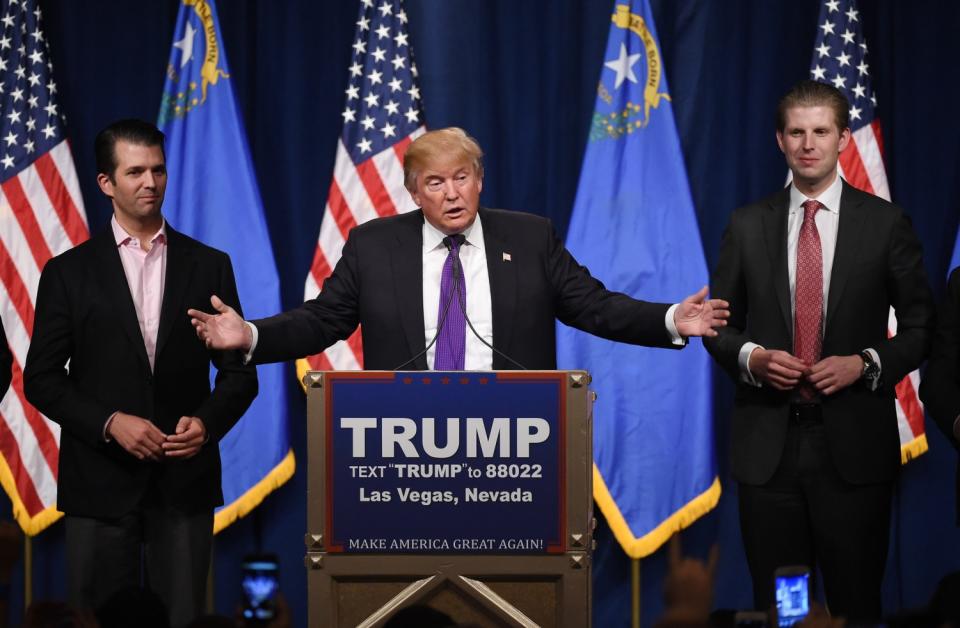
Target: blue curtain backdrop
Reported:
[(521, 76)]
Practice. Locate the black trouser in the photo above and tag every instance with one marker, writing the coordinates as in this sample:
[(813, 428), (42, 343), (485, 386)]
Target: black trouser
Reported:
[(808, 515), (104, 557)]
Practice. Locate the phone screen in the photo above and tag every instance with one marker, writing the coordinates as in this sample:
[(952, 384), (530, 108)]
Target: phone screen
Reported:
[(260, 584), (793, 598)]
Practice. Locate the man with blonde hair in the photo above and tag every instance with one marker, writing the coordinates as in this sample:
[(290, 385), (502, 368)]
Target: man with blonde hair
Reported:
[(453, 286)]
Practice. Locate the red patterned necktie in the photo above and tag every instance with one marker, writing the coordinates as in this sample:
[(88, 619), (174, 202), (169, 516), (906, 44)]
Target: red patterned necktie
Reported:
[(808, 299)]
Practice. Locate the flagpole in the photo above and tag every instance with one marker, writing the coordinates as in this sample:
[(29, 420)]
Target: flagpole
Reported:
[(27, 572), (635, 592)]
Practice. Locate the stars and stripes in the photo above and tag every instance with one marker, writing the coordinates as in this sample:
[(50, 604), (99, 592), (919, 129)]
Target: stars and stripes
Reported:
[(381, 116), (41, 215), (840, 58)]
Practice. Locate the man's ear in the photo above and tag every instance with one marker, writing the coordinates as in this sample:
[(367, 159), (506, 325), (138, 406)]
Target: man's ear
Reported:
[(106, 184), (844, 140), (415, 197)]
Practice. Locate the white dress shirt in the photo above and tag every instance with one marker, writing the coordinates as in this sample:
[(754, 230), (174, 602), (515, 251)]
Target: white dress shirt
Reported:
[(828, 221), (473, 260)]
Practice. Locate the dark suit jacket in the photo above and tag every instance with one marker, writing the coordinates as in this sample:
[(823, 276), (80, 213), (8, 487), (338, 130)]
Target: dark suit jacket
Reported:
[(85, 314), (940, 387), (378, 283), (6, 362), (877, 264)]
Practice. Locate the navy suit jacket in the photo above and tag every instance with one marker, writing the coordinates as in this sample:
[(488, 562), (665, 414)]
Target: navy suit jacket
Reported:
[(378, 284)]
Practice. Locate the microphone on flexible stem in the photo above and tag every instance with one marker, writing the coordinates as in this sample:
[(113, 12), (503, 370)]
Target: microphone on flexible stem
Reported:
[(446, 308), (463, 306)]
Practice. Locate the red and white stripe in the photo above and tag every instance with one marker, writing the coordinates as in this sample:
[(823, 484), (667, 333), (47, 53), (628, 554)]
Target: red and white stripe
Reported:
[(861, 164), (358, 193), (41, 215)]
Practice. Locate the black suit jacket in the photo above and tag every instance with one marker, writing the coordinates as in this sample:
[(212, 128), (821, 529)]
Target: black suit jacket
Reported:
[(85, 314), (877, 264), (6, 362), (940, 387), (378, 283)]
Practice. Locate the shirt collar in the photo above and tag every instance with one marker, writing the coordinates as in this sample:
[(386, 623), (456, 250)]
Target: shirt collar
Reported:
[(433, 237), (830, 198), (122, 237)]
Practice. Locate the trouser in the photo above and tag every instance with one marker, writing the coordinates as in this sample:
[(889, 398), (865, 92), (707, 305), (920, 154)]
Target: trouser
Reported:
[(808, 515)]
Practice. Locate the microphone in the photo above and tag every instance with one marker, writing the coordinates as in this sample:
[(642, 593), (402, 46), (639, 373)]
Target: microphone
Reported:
[(461, 298), (461, 302), (446, 306)]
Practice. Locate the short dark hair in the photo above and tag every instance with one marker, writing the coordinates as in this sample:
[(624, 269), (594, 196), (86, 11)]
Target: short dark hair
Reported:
[(815, 94), (131, 130)]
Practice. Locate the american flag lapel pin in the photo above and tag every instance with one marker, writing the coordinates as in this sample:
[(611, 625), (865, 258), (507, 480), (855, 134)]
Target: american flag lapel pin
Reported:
[(506, 257)]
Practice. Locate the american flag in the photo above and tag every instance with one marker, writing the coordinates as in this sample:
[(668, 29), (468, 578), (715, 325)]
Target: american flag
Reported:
[(41, 215), (840, 58), (381, 116)]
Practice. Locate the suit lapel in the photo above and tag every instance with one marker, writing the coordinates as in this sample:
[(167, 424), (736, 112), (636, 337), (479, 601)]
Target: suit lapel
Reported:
[(406, 257), (849, 238), (775, 238), (114, 283), (180, 266), (502, 271)]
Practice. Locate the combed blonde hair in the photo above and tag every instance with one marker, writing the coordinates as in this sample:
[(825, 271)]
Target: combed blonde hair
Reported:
[(451, 143)]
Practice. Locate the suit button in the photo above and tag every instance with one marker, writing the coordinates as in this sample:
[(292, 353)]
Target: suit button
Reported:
[(149, 379)]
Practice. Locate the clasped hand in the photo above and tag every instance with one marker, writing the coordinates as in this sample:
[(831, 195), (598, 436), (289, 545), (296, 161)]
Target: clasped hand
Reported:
[(145, 441), (785, 371)]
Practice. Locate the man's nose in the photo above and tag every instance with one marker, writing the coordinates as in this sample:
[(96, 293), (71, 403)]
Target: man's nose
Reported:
[(449, 190), (149, 181), (808, 141)]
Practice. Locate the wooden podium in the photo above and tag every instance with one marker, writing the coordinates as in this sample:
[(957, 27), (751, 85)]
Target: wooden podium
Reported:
[(467, 492)]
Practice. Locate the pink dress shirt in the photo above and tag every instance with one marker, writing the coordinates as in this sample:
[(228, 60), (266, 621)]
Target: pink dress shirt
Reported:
[(146, 272)]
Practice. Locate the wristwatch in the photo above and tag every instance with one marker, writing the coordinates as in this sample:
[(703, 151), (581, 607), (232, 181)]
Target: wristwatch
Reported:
[(871, 370)]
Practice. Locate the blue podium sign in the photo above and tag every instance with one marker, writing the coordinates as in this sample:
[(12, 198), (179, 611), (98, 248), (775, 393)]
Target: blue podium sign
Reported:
[(445, 462)]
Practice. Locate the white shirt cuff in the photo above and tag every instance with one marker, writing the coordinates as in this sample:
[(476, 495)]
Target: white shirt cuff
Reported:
[(744, 360), (875, 383), (106, 426), (253, 344), (671, 324)]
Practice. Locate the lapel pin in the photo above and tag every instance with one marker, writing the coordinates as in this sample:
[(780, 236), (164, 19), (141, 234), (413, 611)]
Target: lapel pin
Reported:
[(506, 257)]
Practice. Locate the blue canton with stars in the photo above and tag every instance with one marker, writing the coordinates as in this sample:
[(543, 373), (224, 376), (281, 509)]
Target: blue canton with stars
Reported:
[(31, 124), (383, 101), (840, 58)]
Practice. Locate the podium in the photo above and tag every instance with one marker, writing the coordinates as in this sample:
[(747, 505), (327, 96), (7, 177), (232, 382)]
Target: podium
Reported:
[(467, 492)]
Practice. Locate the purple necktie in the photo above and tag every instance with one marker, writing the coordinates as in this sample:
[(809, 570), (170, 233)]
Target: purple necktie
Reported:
[(451, 343)]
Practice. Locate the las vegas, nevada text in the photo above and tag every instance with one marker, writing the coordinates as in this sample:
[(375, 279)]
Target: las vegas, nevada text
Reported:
[(404, 438)]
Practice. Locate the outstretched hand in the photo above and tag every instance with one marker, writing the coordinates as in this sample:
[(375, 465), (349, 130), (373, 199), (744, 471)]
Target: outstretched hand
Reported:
[(224, 330), (699, 316)]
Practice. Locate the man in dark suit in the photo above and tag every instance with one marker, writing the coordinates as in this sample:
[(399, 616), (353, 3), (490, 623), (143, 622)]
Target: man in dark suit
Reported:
[(115, 362), (811, 273), (940, 387), (506, 277)]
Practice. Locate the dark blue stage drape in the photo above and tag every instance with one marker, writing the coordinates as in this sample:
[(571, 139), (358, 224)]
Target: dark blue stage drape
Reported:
[(521, 76)]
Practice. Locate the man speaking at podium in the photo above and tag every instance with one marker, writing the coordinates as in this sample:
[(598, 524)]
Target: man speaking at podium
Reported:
[(439, 289)]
